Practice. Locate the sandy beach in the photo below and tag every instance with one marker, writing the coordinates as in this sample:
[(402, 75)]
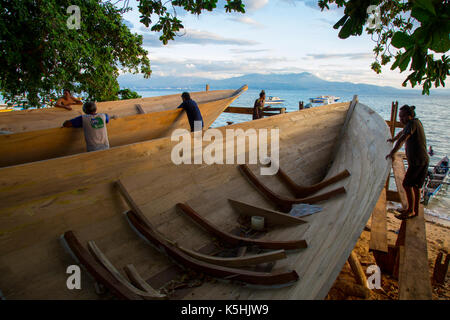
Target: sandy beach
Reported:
[(345, 286)]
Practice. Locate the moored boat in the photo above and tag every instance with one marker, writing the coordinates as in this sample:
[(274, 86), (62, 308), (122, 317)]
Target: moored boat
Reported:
[(191, 212), (324, 99), (274, 100), (161, 117), (436, 181)]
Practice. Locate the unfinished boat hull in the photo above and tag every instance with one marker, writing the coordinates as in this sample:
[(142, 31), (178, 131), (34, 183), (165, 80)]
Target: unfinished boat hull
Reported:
[(41, 201), (46, 144)]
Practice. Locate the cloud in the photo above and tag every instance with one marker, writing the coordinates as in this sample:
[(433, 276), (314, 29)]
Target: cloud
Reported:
[(253, 5), (191, 36), (248, 21), (358, 55), (239, 51)]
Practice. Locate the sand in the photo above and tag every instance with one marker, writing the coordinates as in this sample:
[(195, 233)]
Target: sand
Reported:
[(438, 238)]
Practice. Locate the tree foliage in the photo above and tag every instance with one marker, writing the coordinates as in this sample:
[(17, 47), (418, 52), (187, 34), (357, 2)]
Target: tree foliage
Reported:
[(40, 55), (419, 29), (126, 94)]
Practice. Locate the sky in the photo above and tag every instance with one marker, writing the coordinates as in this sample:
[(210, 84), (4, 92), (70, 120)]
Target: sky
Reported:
[(273, 36)]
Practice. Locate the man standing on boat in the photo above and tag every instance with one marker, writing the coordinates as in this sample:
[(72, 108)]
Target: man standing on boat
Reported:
[(418, 160), (94, 126), (258, 107), (193, 112), (67, 100)]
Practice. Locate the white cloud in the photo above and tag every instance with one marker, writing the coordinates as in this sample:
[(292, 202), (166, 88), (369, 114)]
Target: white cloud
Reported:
[(248, 21), (253, 5)]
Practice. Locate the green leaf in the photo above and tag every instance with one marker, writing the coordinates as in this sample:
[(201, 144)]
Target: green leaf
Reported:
[(420, 14), (346, 30), (402, 40), (340, 22), (425, 4), (440, 42)]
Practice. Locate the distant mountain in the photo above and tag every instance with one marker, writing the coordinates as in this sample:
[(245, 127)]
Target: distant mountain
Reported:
[(293, 81)]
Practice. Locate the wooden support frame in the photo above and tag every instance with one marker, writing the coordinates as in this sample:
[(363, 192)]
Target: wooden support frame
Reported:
[(139, 109), (97, 271), (242, 261), (250, 277), (152, 294), (235, 240), (285, 203), (272, 217), (440, 269), (302, 191)]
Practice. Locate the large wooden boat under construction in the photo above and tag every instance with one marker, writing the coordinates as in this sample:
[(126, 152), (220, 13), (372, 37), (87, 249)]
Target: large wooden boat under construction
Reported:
[(47, 139), (101, 210)]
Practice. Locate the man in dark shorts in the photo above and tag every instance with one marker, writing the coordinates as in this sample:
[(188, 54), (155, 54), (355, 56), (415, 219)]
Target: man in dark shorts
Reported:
[(258, 107), (417, 155), (193, 112)]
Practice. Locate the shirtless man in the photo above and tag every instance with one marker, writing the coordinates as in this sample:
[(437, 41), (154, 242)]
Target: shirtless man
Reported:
[(67, 100)]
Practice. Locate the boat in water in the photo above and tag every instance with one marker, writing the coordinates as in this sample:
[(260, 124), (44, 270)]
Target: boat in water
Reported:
[(324, 99), (274, 100), (102, 209), (140, 120), (437, 180)]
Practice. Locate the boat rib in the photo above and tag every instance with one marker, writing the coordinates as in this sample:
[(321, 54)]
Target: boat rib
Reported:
[(236, 240), (285, 203), (249, 277), (302, 191), (151, 294), (98, 272)]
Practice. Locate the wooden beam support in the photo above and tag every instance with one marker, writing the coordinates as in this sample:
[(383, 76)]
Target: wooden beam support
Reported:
[(98, 272), (357, 269), (104, 261), (272, 217), (235, 240), (378, 229), (440, 269), (305, 191), (251, 277), (285, 203)]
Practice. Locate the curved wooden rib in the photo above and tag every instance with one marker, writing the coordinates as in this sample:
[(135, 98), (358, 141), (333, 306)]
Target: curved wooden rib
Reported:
[(139, 282), (284, 203), (250, 277), (273, 217), (239, 241), (98, 272), (103, 260), (302, 192), (243, 261)]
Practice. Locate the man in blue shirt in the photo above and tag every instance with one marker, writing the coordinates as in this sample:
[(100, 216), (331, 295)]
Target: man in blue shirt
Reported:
[(94, 126), (192, 110)]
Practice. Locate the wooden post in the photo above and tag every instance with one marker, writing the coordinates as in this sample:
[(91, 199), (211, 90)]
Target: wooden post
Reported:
[(207, 87), (394, 110), (440, 269), (283, 110), (300, 105), (357, 269)]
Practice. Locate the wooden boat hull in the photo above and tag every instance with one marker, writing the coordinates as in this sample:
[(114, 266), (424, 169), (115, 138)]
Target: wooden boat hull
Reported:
[(45, 144), (40, 201)]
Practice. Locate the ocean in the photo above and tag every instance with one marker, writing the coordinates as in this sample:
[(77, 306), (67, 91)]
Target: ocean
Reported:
[(433, 111)]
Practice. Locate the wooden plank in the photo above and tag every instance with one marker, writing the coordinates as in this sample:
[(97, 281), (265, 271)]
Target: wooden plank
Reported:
[(378, 228), (139, 282), (140, 110), (273, 217), (239, 110), (399, 174), (414, 275), (393, 196), (397, 124)]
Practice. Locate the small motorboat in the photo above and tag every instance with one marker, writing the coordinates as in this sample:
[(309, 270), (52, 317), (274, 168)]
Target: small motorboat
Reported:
[(274, 100), (436, 181), (324, 99)]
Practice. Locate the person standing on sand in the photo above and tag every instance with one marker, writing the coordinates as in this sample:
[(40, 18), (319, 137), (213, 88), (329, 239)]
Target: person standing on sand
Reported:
[(193, 112), (418, 160), (94, 126), (258, 107), (67, 100)]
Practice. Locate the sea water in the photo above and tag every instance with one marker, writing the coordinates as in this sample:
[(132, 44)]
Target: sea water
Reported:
[(433, 111)]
